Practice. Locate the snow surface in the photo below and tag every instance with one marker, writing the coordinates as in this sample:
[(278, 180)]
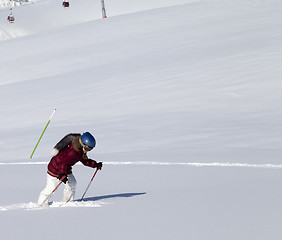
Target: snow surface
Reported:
[(184, 99)]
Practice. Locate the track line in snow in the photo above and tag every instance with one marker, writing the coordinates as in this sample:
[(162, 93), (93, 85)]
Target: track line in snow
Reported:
[(191, 164), (34, 206), (7, 34)]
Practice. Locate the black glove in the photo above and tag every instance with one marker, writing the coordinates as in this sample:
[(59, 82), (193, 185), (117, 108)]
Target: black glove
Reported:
[(98, 165), (63, 177)]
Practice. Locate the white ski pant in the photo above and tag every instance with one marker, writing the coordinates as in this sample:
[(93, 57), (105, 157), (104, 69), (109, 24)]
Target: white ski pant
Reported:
[(52, 183)]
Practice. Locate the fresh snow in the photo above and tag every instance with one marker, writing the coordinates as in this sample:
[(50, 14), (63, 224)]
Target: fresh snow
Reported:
[(34, 206), (184, 99)]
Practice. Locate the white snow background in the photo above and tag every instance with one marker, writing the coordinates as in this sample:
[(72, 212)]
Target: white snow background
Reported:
[(184, 100)]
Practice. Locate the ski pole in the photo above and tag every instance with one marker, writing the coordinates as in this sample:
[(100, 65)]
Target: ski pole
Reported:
[(42, 133), (53, 191), (89, 184), (103, 9)]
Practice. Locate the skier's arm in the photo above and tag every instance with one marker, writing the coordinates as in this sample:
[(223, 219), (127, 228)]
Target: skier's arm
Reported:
[(91, 163)]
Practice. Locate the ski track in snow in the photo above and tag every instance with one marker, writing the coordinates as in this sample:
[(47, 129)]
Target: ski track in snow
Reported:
[(34, 206), (191, 164), (6, 33)]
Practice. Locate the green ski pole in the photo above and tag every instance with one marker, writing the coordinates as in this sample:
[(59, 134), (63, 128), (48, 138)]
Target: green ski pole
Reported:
[(42, 133)]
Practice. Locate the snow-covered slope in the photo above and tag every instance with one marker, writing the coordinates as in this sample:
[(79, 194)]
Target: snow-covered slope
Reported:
[(159, 79), (163, 88), (41, 15)]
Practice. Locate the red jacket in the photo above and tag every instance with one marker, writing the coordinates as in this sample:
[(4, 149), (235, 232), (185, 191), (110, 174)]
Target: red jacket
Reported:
[(66, 158)]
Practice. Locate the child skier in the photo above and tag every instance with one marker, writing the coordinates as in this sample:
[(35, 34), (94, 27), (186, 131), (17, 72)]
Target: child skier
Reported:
[(67, 152)]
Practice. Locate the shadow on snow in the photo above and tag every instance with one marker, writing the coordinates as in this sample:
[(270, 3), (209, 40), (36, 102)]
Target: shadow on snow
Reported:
[(120, 195)]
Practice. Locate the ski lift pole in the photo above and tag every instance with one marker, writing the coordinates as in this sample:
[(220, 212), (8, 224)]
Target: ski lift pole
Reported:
[(42, 133), (103, 9), (89, 184)]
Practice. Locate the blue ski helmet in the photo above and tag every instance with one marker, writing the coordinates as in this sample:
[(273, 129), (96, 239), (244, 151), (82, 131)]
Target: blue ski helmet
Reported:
[(87, 141)]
